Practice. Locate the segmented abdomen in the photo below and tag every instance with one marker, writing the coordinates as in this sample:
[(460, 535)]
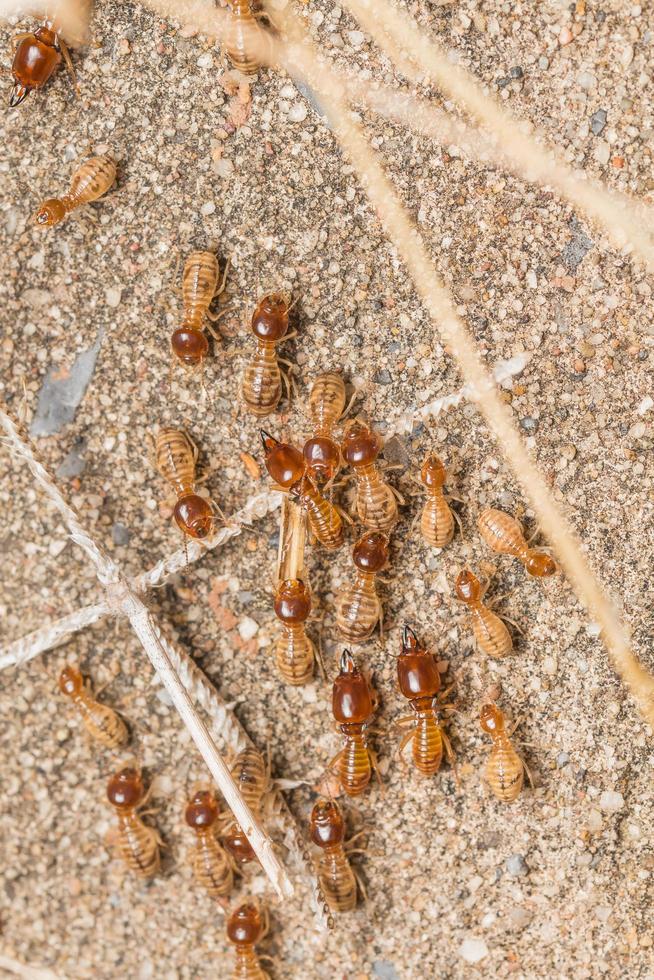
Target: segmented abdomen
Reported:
[(505, 771), (376, 503), (92, 180), (176, 459), (354, 767), (490, 632), (326, 402), (199, 284), (427, 744), (324, 519), (295, 655), (102, 723), (249, 771), (262, 381), (437, 522), (138, 845), (238, 44), (337, 880), (211, 866), (247, 966), (501, 532), (358, 610)]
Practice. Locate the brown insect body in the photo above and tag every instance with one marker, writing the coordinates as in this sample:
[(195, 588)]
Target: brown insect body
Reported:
[(294, 651), (100, 721), (242, 26), (137, 844), (211, 866), (376, 502), (352, 707), (503, 534), (90, 182), (437, 520), (419, 681), (492, 636), (246, 926), (199, 286), (250, 773), (262, 379), (321, 452), (358, 609), (504, 770), (336, 877), (36, 57), (176, 459), (286, 466)]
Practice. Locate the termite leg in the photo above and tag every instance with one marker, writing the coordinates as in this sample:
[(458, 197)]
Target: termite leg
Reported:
[(361, 886), (449, 751), (69, 62), (376, 769), (528, 771)]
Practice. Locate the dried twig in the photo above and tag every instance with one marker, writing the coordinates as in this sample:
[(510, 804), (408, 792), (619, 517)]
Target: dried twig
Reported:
[(292, 532)]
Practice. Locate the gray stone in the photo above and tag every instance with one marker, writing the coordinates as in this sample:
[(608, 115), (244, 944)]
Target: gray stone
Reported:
[(382, 377), (598, 121), (516, 865), (59, 397), (120, 534), (73, 464), (577, 248)]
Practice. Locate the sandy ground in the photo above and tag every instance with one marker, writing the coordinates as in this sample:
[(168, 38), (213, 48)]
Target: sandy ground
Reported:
[(558, 885)]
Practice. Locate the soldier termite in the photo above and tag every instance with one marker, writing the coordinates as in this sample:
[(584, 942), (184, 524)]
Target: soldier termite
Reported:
[(286, 466), (212, 867), (137, 844), (100, 721), (420, 682), (358, 609), (249, 771), (294, 652), (376, 500), (246, 926), (199, 288), (37, 55), (326, 405), (492, 636), (176, 458), (503, 534), (437, 520), (504, 770), (262, 379), (89, 182), (352, 707), (337, 879)]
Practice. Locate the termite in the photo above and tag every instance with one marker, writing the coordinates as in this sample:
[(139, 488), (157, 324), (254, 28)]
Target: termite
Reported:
[(492, 636), (503, 534), (437, 520), (262, 379), (294, 652), (337, 879), (212, 868), (358, 608), (38, 53), (89, 182), (376, 500), (504, 770), (247, 926), (199, 288), (352, 707), (244, 38), (137, 844), (249, 771), (420, 682), (100, 721), (176, 458), (286, 466), (326, 404)]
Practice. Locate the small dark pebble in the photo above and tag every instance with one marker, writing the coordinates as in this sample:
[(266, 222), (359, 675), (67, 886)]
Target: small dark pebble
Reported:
[(120, 534), (516, 72), (503, 82), (273, 540), (598, 121), (394, 347), (382, 377), (529, 424), (395, 452), (596, 860)]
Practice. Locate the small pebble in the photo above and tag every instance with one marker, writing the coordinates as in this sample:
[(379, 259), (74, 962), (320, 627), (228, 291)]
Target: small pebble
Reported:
[(611, 802), (562, 760), (356, 38), (516, 866), (473, 950), (120, 534), (207, 208), (598, 121), (248, 628), (298, 112), (112, 297), (382, 377)]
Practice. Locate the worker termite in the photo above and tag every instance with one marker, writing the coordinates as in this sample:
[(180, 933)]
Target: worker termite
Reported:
[(211, 865), (337, 879), (352, 707), (37, 55), (294, 652), (358, 608), (376, 500), (503, 534), (176, 458), (286, 466), (437, 520), (326, 404), (199, 288), (89, 182), (246, 926), (504, 770), (492, 636), (262, 379), (249, 771), (137, 844), (420, 682), (245, 41), (100, 721)]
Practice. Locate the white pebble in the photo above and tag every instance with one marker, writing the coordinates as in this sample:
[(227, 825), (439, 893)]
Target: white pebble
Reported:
[(223, 167), (602, 151), (56, 547), (586, 80), (298, 112), (288, 92), (473, 950), (645, 405), (532, 280), (627, 55), (112, 297), (205, 60), (611, 802), (248, 628), (208, 208), (356, 38)]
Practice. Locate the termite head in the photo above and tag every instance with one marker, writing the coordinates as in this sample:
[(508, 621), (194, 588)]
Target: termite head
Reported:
[(539, 564), (125, 789), (202, 811), (245, 925), (360, 444), (292, 601), (239, 847), (284, 462), (467, 586), (370, 553), (417, 672), (194, 516), (270, 318), (491, 719), (351, 697), (432, 473), (71, 681), (322, 457), (50, 213), (326, 827), (189, 345)]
